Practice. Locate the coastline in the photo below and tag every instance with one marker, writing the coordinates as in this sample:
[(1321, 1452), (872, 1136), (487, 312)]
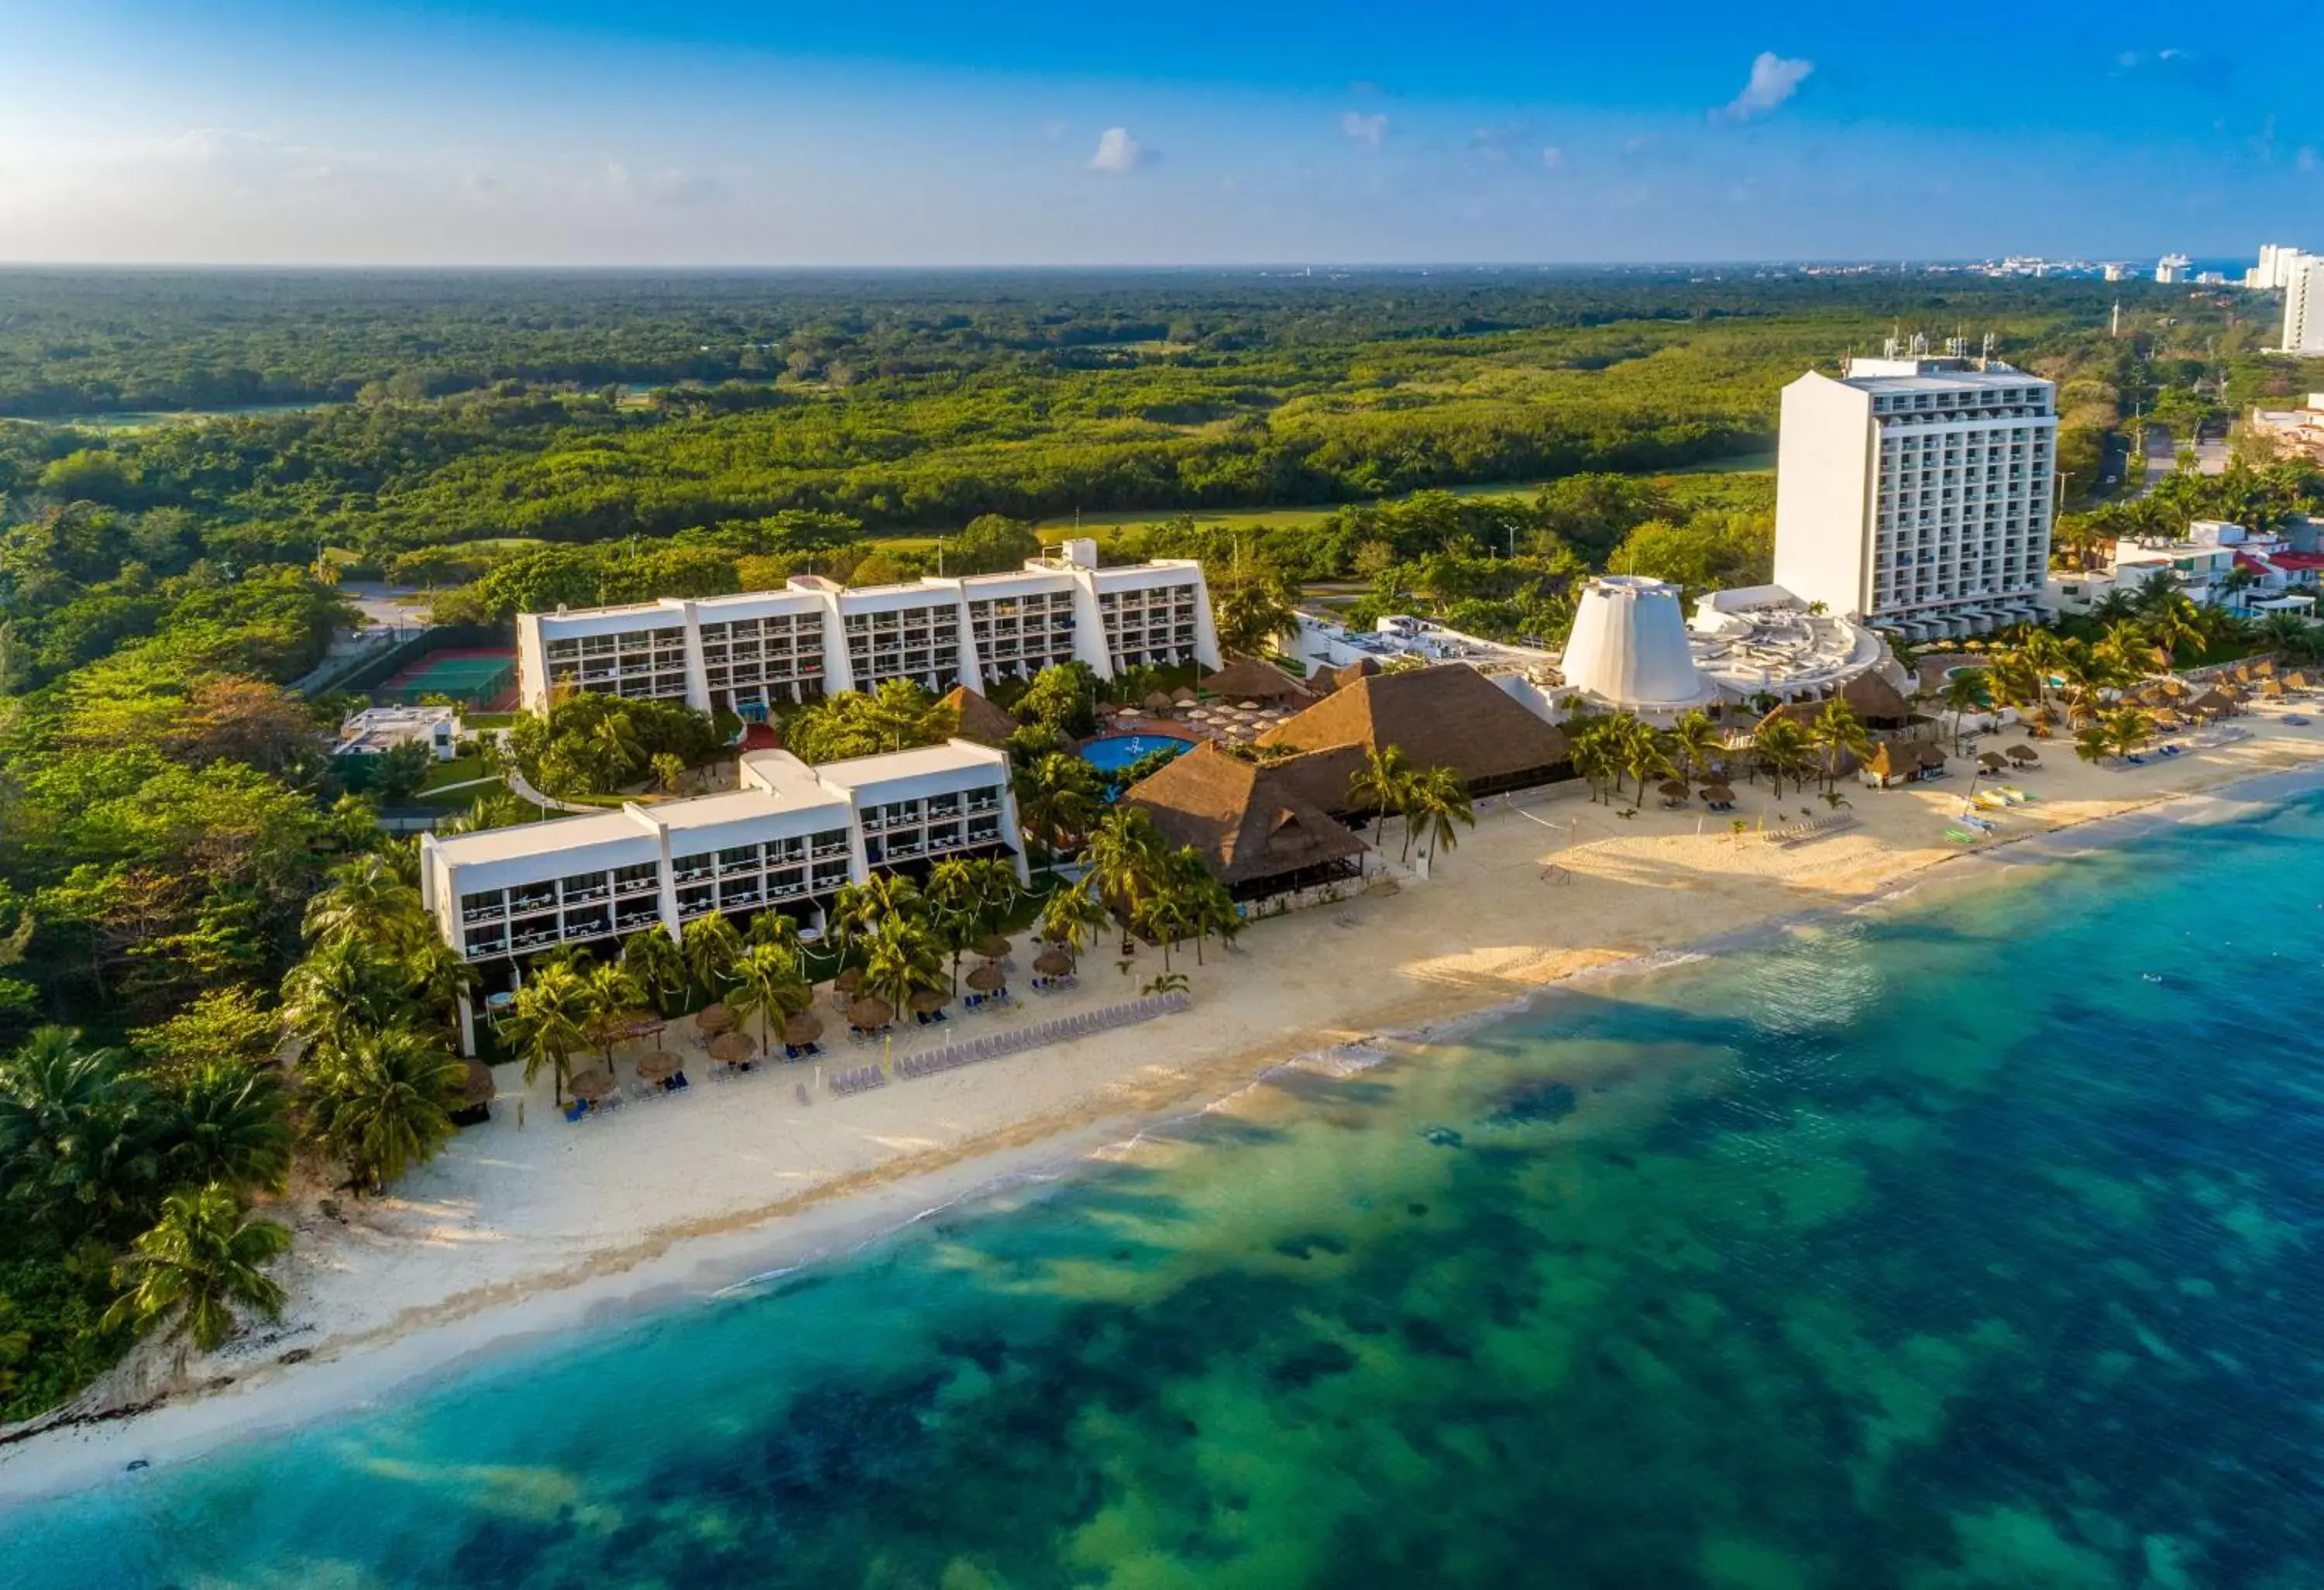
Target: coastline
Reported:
[(1127, 1100)]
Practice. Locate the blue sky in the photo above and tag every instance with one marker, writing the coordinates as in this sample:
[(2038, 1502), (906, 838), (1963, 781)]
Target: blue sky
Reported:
[(912, 132)]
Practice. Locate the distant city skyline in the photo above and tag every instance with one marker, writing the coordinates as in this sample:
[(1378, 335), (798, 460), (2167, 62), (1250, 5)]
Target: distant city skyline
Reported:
[(387, 132)]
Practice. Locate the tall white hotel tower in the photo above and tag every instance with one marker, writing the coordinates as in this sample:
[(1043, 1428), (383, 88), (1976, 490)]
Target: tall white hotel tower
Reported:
[(1915, 493)]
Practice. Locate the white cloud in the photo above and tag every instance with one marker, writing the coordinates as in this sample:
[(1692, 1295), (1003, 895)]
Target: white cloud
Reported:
[(2306, 161), (1118, 153), (1365, 130), (1553, 157), (1773, 80)]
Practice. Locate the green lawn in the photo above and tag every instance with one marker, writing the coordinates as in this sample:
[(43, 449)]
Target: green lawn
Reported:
[(459, 770)]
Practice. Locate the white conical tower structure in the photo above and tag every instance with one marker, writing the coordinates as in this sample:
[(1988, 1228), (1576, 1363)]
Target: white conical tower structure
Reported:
[(1629, 647)]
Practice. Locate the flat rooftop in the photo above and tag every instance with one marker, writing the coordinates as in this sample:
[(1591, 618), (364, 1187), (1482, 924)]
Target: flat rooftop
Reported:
[(1935, 375), (546, 837), (953, 756)]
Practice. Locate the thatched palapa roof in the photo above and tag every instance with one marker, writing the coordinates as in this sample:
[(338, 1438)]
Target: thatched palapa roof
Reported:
[(1249, 678), (1249, 822), (1875, 699), (1447, 716), (979, 719), (1900, 759), (1324, 680)]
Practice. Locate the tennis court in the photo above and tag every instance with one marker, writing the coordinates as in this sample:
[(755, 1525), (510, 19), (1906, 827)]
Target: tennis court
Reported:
[(472, 676)]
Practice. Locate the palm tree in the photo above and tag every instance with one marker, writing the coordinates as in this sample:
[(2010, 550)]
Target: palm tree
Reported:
[(1058, 797), (613, 747), (1167, 983), (955, 894), (79, 1133), (1966, 691), (548, 1020), (1837, 730), (1440, 801), (2115, 606), (230, 1126), (2093, 743), (2292, 638), (859, 906), (614, 994), (667, 767), (384, 1103), (1697, 741), (1126, 857), (708, 945), (367, 901), (1781, 748), (1379, 785), (1166, 915), (203, 1258), (440, 978), (2127, 729), (1071, 916), (900, 956), (2174, 623), (1250, 614), (768, 984), (1593, 752), (902, 715), (654, 960), (342, 988), (1640, 754)]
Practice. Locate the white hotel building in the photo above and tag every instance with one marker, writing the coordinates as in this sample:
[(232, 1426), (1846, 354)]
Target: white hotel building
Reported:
[(750, 653), (1915, 495), (787, 840)]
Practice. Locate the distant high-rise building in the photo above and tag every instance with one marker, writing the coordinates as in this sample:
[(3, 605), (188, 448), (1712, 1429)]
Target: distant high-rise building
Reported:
[(2278, 265), (1915, 493), (2303, 309), (2172, 268)]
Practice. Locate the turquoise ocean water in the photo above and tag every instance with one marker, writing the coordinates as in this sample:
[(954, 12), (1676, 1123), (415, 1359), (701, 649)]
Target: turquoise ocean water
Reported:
[(1972, 1243)]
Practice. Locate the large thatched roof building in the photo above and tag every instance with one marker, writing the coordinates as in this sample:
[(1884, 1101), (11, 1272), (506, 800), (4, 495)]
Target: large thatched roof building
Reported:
[(1252, 823), (1448, 716), (1249, 678)]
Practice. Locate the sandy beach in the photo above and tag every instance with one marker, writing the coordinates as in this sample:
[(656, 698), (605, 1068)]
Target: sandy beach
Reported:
[(529, 1224)]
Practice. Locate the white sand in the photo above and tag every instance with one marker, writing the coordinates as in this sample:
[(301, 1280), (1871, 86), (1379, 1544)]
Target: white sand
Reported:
[(527, 1222)]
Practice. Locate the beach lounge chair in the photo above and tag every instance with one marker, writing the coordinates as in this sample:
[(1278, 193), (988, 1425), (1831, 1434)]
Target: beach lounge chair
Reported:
[(577, 1111)]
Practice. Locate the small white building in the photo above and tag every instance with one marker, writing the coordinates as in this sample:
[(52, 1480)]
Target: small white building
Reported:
[(378, 729), (787, 840), (751, 652)]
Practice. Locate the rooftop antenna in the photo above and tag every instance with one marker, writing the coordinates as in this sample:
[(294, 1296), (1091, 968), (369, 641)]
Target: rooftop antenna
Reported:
[(1920, 343)]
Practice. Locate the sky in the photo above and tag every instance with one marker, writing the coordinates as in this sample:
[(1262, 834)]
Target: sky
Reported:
[(1039, 132)]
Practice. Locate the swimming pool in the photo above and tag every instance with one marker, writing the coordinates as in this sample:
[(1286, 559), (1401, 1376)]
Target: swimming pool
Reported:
[(1112, 753)]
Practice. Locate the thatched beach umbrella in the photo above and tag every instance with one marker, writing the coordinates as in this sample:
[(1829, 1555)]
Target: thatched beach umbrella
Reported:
[(660, 1066), (848, 981), (993, 946), (1676, 789), (2265, 668), (732, 1049), (871, 1014), (1156, 701), (1184, 697), (2022, 755), (589, 1086), (2271, 688), (1992, 761), (712, 1020), (1720, 792), (804, 1027), (1052, 962), (477, 1084), (987, 979), (927, 1001)]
